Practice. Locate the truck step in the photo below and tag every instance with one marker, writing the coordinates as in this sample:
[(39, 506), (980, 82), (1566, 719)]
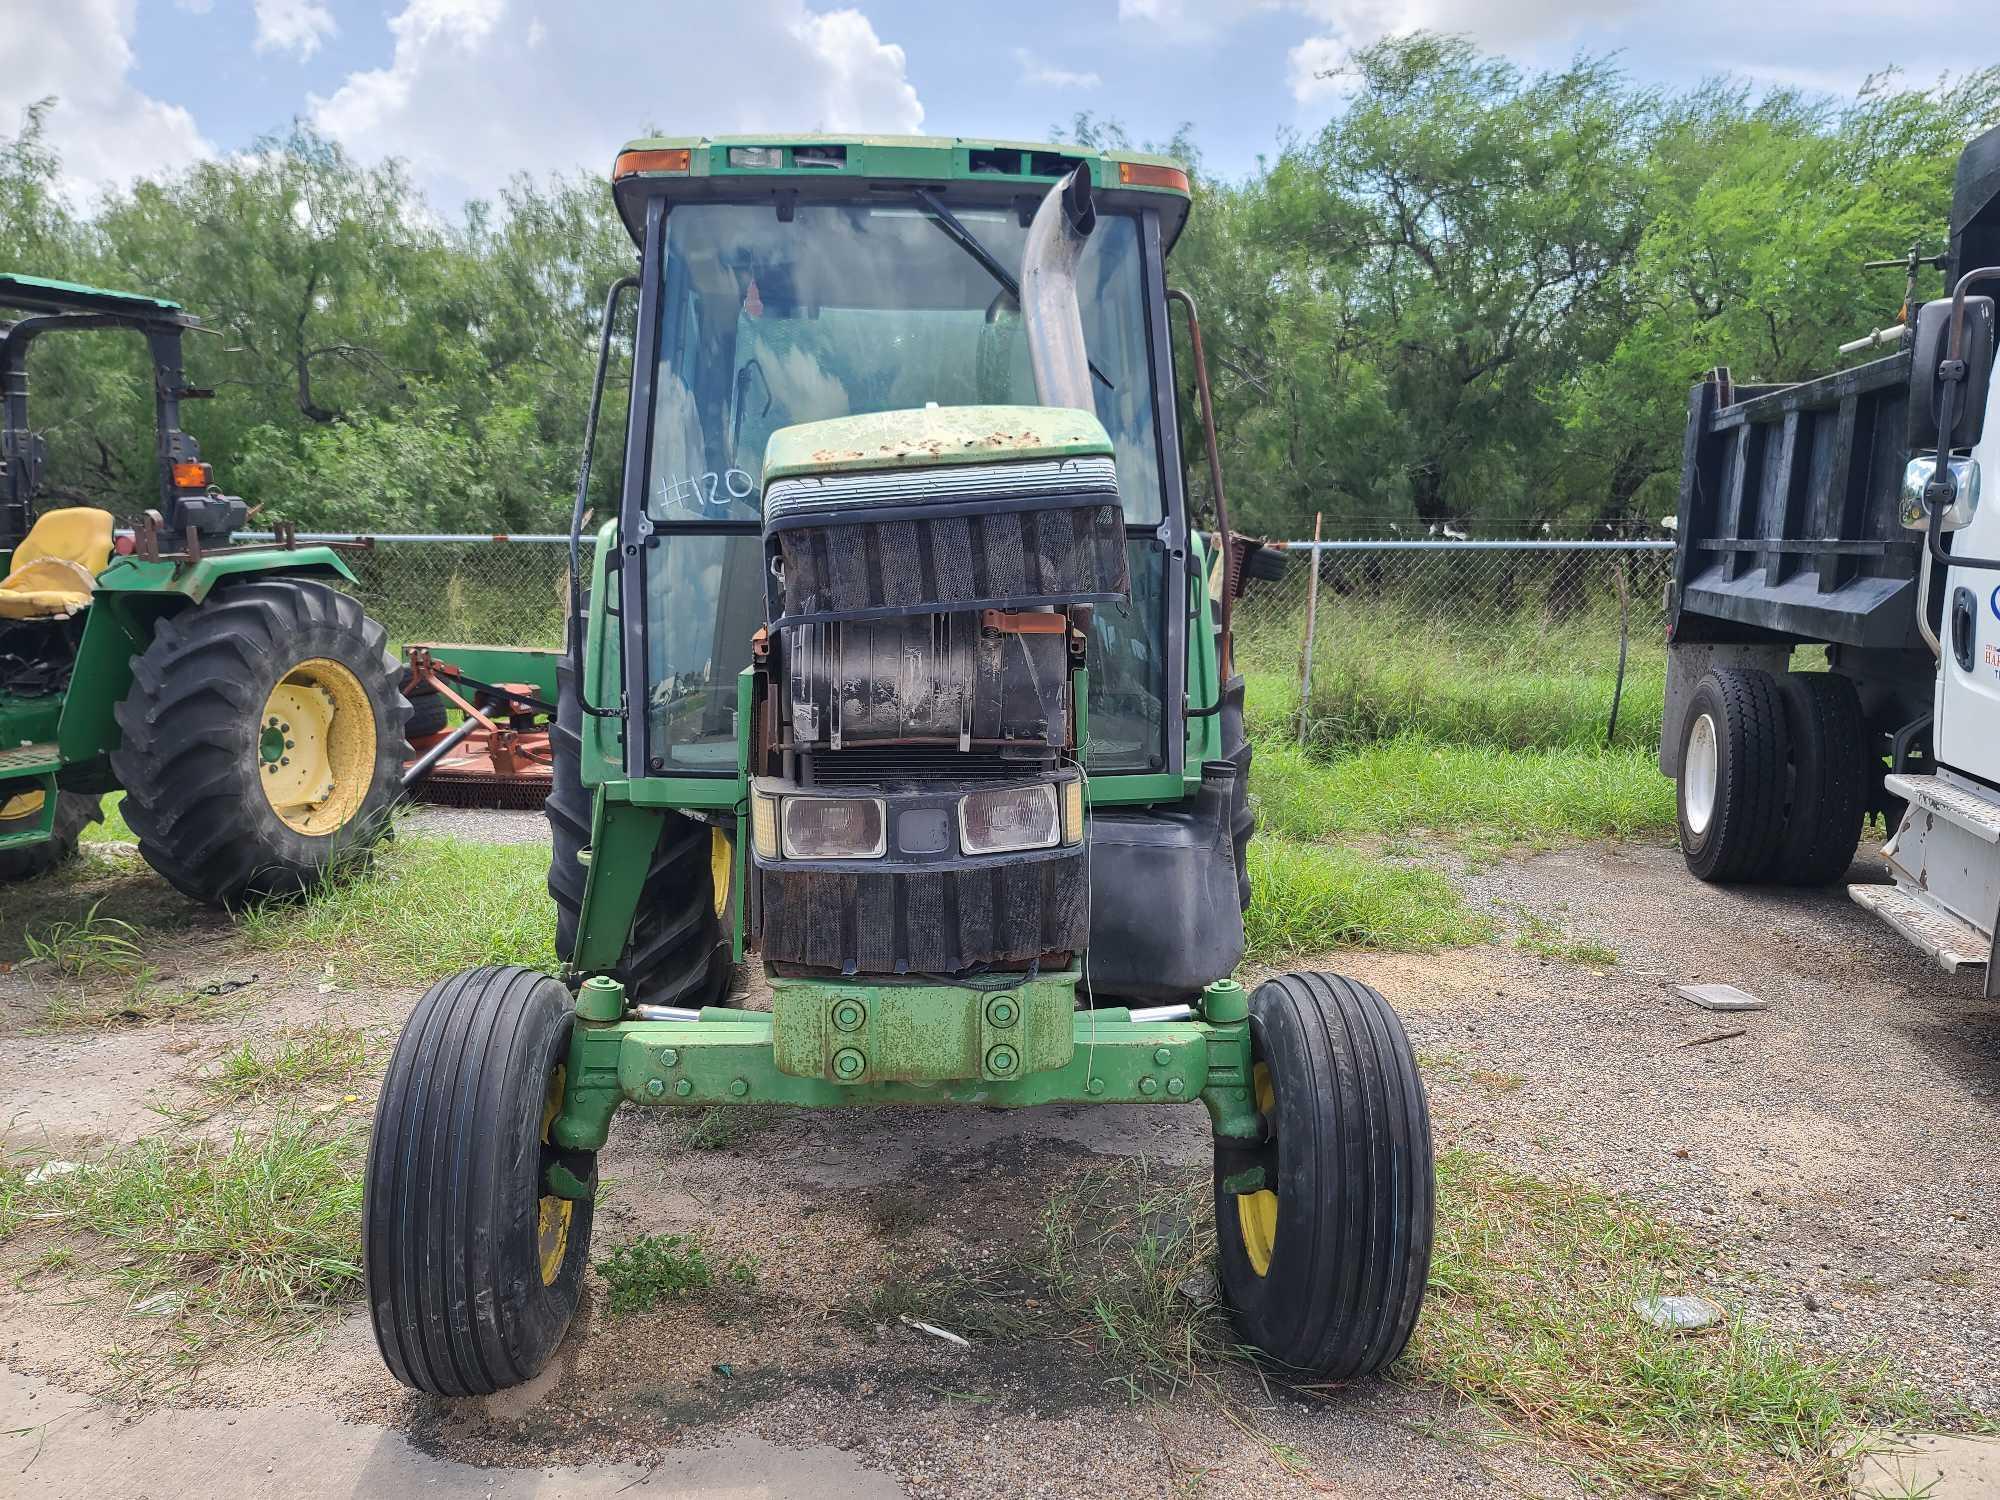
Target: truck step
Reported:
[(1952, 944), (29, 760), (1970, 811)]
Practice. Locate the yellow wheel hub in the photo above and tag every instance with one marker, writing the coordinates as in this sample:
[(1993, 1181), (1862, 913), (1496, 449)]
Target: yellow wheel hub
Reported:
[(316, 747), (718, 870), (23, 805), (1257, 1213), (553, 1214)]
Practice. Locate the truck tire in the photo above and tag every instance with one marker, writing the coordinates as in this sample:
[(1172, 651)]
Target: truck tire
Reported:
[(1735, 764), (473, 1266), (261, 744), (1325, 1268), (74, 813), (676, 953), (1829, 780)]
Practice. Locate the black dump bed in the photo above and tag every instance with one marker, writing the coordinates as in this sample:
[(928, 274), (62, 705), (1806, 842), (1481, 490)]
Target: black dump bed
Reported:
[(1789, 494), (1788, 525)]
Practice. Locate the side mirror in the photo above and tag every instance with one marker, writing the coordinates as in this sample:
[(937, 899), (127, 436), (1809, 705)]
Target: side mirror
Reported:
[(1928, 350), (1915, 510)]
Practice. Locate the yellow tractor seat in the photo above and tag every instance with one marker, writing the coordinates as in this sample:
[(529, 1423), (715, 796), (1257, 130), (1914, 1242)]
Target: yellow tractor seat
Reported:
[(55, 568)]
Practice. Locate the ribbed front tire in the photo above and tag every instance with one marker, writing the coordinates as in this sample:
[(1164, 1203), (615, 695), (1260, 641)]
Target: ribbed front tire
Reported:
[(473, 1268), (1325, 1267)]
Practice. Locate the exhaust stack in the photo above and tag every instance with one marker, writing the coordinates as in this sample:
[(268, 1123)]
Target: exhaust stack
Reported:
[(1049, 306)]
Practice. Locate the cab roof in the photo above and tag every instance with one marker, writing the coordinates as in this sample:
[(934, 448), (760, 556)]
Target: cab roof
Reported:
[(706, 167), (39, 294)]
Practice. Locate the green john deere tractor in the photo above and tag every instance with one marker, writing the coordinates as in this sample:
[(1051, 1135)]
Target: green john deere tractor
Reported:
[(249, 712), (897, 676)]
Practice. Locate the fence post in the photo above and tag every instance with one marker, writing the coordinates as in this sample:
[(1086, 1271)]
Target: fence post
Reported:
[(1312, 623)]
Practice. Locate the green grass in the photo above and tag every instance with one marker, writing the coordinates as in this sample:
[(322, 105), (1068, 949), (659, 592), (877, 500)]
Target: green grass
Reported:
[(1513, 682), (1312, 899), (1475, 793), (92, 946), (1530, 1315), (642, 1273), (423, 908), (114, 829), (294, 1061), (260, 1234), (1548, 938)]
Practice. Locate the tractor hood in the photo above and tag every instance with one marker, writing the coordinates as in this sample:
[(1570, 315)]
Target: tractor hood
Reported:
[(932, 436)]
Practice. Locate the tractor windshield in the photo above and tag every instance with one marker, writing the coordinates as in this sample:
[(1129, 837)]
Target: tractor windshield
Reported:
[(842, 309)]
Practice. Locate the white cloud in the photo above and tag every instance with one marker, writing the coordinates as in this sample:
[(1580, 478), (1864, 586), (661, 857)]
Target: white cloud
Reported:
[(108, 131), (1348, 24), (292, 26), (1034, 70), (477, 90)]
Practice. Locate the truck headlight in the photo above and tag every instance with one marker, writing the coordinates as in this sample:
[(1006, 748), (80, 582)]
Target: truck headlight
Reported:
[(833, 828), (1015, 817)]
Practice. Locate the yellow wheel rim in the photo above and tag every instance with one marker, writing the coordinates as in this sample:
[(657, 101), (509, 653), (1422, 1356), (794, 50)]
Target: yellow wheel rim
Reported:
[(316, 747), (718, 870), (1257, 1213), (25, 805), (553, 1216)]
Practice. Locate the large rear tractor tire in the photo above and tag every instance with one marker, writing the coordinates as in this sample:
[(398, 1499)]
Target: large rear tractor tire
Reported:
[(473, 1267), (1735, 776), (1831, 778), (676, 952), (1325, 1267), (74, 813), (262, 741)]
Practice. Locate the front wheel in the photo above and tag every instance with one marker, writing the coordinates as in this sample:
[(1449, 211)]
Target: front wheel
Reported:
[(262, 741), (21, 811), (1324, 1266), (473, 1267)]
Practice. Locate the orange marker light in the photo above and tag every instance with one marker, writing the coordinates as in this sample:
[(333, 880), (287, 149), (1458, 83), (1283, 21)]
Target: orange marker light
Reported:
[(632, 163), (191, 476), (1142, 174)]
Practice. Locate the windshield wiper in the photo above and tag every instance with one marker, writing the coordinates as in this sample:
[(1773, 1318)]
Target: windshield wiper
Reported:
[(966, 240)]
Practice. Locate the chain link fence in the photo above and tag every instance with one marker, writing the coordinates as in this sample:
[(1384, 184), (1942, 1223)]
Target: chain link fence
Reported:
[(1509, 642)]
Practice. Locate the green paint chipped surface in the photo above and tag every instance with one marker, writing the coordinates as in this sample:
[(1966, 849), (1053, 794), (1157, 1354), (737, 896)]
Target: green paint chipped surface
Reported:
[(930, 436)]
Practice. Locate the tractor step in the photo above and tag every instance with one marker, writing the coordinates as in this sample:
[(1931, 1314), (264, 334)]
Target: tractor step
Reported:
[(29, 760), (1951, 944)]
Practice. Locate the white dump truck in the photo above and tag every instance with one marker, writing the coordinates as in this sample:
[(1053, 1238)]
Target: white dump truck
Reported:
[(1844, 516)]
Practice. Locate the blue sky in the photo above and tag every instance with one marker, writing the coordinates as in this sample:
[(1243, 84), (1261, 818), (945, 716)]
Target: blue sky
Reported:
[(469, 91)]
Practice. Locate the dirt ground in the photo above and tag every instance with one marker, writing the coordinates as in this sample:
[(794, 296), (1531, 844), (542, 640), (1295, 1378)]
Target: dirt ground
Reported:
[(1839, 1152)]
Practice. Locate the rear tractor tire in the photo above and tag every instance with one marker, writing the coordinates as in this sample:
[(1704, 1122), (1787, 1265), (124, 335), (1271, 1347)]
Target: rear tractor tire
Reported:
[(1735, 776), (473, 1267), (677, 952), (262, 741), (1324, 1268), (74, 813)]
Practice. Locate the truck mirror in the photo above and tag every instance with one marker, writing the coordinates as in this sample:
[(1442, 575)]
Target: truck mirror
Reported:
[(1927, 390)]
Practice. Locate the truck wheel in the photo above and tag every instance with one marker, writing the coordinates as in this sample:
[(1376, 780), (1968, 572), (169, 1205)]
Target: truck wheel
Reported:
[(676, 953), (473, 1268), (262, 741), (1734, 772), (1830, 777), (1325, 1268), (74, 813)]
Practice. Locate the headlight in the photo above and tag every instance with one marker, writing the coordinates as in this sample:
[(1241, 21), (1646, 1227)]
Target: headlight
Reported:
[(833, 828), (1015, 817), (764, 825), (1073, 811)]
